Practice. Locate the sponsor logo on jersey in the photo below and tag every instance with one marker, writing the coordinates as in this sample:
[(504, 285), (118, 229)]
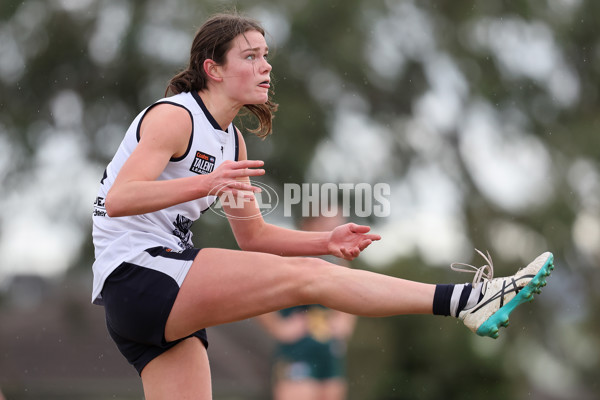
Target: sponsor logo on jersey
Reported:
[(203, 163), (99, 210), (182, 230)]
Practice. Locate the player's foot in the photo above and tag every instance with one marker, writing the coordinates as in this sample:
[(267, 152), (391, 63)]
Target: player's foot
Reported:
[(500, 296)]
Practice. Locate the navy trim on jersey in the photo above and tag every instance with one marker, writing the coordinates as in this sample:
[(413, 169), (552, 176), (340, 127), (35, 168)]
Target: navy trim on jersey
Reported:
[(237, 143), (211, 204), (137, 132), (209, 116), (184, 255)]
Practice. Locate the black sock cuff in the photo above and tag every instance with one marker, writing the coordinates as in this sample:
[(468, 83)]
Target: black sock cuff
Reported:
[(441, 299)]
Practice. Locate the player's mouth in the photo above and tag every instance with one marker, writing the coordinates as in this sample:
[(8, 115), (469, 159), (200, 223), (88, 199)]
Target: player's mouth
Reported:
[(265, 84)]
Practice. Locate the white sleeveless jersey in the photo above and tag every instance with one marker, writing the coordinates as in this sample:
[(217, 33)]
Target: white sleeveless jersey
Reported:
[(119, 239)]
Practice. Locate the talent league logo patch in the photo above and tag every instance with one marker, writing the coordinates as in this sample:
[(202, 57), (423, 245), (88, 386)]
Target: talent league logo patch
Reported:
[(203, 163)]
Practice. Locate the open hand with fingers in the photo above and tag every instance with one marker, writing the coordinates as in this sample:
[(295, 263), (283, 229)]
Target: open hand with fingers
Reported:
[(232, 177), (347, 241)]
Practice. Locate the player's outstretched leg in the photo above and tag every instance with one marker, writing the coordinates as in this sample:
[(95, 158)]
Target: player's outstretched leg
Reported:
[(486, 305)]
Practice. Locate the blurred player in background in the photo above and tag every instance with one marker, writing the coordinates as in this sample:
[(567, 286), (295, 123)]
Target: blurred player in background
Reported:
[(309, 361)]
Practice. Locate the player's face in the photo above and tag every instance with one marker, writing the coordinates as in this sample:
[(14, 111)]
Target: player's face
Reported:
[(246, 73)]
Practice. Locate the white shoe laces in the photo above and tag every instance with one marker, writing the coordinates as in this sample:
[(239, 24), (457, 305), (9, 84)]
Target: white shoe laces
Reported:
[(486, 271)]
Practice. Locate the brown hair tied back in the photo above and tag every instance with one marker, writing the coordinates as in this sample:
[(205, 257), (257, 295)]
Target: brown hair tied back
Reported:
[(212, 41)]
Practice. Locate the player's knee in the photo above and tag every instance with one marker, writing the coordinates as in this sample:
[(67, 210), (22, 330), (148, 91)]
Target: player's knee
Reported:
[(313, 275)]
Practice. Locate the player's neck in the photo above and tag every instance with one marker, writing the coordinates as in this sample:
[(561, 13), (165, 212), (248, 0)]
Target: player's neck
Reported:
[(222, 109)]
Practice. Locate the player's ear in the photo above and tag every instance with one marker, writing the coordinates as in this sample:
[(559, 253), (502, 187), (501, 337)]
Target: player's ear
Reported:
[(212, 70)]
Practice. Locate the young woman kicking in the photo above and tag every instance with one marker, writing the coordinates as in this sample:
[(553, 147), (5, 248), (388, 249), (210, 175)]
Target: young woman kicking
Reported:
[(177, 157)]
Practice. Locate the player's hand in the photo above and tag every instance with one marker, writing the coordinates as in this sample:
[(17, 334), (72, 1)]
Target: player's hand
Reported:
[(233, 177), (347, 241)]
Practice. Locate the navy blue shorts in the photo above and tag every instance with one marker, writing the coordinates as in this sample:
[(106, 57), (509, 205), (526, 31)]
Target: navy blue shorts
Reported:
[(138, 301)]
